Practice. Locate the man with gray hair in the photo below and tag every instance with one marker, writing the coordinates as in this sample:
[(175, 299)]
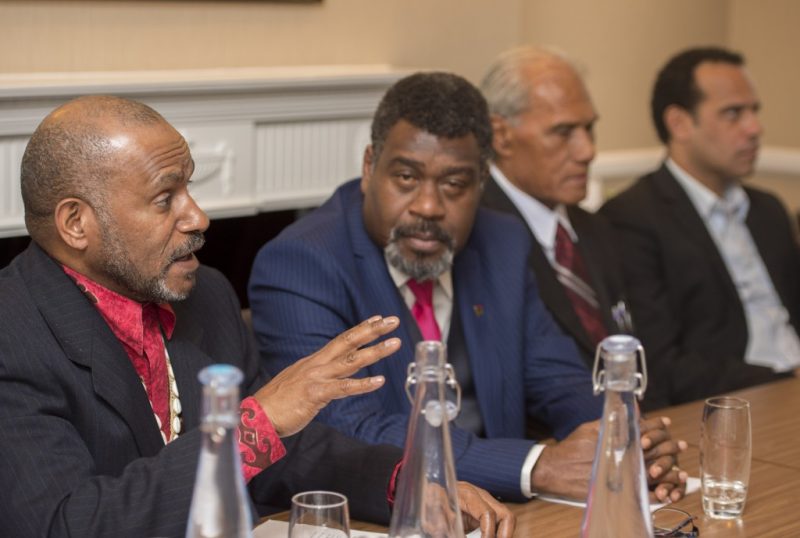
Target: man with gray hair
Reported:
[(543, 122)]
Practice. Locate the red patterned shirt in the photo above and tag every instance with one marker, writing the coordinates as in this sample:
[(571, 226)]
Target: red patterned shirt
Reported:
[(142, 329)]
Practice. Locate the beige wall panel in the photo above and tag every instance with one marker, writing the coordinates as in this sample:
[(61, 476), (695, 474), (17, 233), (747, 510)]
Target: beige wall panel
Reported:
[(767, 33), (126, 35), (38, 35), (622, 43)]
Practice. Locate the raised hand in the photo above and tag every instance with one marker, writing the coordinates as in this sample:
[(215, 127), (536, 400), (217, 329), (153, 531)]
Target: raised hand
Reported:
[(295, 396)]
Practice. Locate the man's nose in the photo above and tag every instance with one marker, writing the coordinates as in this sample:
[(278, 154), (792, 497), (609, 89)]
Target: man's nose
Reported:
[(428, 201)]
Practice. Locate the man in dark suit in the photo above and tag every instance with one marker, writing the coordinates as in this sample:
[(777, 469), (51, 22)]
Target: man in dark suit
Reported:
[(410, 239), (543, 122), (711, 266), (106, 320)]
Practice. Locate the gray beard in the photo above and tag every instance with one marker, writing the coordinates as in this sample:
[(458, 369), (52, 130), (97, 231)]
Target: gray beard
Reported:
[(118, 265), (418, 268)]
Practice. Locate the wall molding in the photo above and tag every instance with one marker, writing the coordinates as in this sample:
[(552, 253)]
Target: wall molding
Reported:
[(262, 138)]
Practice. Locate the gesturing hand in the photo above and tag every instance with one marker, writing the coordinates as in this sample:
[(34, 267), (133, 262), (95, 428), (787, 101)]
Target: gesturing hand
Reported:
[(295, 396)]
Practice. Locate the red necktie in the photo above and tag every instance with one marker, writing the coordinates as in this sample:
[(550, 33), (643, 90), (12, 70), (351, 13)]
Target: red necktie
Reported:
[(571, 271), (423, 309)]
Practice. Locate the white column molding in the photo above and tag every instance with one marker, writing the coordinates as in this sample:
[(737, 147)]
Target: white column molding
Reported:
[(262, 139)]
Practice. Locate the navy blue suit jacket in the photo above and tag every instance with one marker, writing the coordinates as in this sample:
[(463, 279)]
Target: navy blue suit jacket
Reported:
[(80, 452), (324, 274)]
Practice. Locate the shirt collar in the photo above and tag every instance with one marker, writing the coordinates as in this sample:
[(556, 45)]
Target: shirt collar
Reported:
[(542, 220), (734, 200), (445, 280), (124, 316)]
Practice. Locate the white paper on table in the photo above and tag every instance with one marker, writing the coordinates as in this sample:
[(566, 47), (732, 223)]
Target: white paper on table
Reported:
[(692, 485), (280, 529)]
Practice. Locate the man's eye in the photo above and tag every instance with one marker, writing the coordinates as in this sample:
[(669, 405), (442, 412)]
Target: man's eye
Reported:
[(732, 114), (164, 200)]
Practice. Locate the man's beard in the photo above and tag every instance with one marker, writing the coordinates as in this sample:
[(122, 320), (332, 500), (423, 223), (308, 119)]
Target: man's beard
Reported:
[(418, 267), (122, 269)]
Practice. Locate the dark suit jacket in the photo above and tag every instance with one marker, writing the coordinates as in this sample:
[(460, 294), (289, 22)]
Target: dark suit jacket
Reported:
[(596, 245), (80, 453), (324, 274), (688, 312)]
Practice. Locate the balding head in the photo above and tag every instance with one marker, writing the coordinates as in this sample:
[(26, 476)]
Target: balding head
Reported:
[(70, 155)]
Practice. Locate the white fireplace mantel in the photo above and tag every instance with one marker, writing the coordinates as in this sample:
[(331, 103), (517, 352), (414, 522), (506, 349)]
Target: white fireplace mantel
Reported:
[(262, 138)]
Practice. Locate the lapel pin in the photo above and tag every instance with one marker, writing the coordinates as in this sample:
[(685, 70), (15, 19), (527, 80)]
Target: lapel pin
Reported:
[(478, 309)]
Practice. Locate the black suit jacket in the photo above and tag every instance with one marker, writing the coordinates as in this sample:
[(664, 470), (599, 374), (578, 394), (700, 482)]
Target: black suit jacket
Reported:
[(596, 244), (688, 312), (80, 453)]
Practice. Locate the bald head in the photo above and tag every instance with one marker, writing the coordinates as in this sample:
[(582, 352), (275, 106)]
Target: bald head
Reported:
[(70, 155), (511, 80)]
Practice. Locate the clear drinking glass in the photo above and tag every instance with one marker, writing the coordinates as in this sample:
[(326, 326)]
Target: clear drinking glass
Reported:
[(319, 514), (725, 448)]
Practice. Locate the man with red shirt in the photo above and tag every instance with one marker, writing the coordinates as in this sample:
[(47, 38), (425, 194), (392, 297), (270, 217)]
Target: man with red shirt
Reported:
[(108, 317)]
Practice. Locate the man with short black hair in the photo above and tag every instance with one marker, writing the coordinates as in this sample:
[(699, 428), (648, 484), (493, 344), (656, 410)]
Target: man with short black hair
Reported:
[(409, 238), (711, 266)]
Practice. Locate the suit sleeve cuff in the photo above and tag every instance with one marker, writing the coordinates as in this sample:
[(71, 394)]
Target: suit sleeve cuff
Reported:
[(259, 444), (527, 470)]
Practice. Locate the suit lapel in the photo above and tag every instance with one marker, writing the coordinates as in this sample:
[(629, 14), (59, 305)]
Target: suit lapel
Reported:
[(88, 342), (685, 218), (382, 295), (188, 358), (475, 309), (550, 289), (591, 247)]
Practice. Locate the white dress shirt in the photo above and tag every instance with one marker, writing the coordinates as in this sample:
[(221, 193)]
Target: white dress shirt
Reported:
[(541, 220), (772, 341)]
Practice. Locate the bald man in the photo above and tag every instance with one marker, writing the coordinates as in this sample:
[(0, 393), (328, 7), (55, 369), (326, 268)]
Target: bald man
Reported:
[(543, 120), (107, 319)]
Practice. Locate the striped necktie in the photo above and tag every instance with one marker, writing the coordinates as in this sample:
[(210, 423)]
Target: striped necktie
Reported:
[(572, 273)]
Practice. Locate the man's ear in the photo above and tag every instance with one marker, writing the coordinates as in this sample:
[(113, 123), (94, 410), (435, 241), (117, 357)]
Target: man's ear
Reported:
[(366, 167), (678, 121), (75, 221), (502, 136)]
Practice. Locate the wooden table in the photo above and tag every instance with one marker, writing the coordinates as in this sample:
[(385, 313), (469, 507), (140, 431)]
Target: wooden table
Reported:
[(771, 509)]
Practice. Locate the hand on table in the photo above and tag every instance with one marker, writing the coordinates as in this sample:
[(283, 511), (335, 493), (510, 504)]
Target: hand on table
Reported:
[(479, 508), (661, 460), (295, 396), (564, 469)]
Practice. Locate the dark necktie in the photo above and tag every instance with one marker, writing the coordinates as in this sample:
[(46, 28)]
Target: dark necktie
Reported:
[(571, 271), (423, 309)]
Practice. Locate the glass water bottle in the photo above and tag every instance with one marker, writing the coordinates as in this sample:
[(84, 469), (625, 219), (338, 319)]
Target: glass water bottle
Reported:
[(618, 504), (220, 506), (425, 501)]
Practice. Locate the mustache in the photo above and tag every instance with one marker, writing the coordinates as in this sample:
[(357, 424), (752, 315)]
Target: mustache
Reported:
[(195, 242), (427, 228)]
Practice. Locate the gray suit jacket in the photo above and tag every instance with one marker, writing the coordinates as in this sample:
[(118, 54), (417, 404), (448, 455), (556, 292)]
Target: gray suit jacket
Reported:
[(80, 453)]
